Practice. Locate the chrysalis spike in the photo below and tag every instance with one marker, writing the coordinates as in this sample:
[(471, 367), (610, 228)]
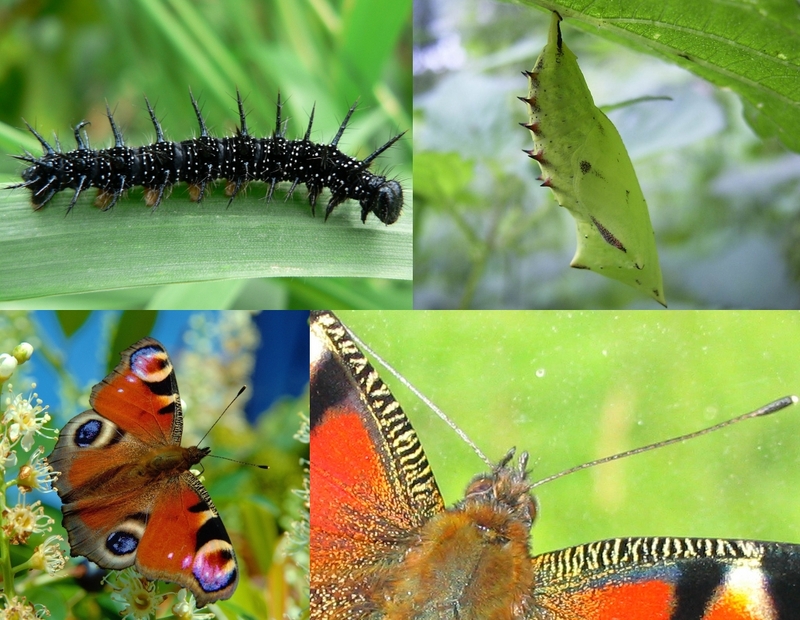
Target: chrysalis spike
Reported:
[(310, 121), (118, 141), (48, 150), (156, 124), (58, 142), (242, 115), (201, 122), (82, 145), (344, 123)]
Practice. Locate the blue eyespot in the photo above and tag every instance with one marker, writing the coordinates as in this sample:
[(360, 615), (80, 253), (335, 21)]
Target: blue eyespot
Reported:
[(87, 433), (121, 543)]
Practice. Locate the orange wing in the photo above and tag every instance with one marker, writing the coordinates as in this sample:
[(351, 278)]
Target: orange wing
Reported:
[(370, 480)]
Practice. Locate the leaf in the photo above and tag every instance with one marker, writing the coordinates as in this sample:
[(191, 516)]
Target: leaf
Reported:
[(440, 177), (48, 253), (751, 48)]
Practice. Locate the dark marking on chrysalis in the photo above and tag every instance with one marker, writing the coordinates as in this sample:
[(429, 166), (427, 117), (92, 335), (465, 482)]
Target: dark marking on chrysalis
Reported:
[(585, 167), (609, 238), (199, 162)]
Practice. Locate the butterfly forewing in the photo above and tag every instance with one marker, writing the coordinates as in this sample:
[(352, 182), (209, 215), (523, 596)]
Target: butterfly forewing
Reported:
[(370, 480)]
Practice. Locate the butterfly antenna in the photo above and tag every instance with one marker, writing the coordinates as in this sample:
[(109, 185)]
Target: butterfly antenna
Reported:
[(772, 407), (238, 394), (225, 458), (420, 395)]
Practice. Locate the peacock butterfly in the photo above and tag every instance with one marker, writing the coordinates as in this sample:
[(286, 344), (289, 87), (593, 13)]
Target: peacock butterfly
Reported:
[(383, 546), (128, 495), (200, 161)]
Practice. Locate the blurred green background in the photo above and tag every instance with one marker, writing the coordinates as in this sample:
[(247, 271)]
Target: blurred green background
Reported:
[(60, 62), (570, 387), (724, 203)]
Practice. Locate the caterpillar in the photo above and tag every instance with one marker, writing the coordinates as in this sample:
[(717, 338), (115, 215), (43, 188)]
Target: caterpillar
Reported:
[(584, 162), (239, 159)]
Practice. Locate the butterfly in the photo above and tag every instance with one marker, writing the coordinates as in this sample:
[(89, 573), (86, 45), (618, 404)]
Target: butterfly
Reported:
[(383, 545), (128, 495)]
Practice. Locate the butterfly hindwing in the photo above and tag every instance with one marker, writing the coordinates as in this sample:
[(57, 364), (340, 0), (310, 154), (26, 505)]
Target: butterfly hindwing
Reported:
[(670, 579), (197, 553), (128, 495)]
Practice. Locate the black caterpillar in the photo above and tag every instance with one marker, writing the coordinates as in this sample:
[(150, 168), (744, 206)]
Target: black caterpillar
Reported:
[(239, 159)]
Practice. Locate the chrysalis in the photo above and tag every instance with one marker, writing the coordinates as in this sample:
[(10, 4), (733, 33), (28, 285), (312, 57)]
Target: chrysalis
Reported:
[(585, 163)]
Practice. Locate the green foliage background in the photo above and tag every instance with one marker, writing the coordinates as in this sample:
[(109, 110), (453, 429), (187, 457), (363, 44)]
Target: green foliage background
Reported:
[(61, 62), (723, 199), (570, 387)]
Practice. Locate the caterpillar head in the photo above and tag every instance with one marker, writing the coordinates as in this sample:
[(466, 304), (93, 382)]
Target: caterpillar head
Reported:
[(386, 202)]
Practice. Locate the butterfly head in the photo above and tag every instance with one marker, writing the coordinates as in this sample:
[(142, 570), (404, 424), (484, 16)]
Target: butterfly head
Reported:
[(506, 490)]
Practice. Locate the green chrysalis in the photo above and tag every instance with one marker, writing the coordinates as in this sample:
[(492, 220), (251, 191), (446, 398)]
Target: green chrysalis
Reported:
[(585, 163)]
